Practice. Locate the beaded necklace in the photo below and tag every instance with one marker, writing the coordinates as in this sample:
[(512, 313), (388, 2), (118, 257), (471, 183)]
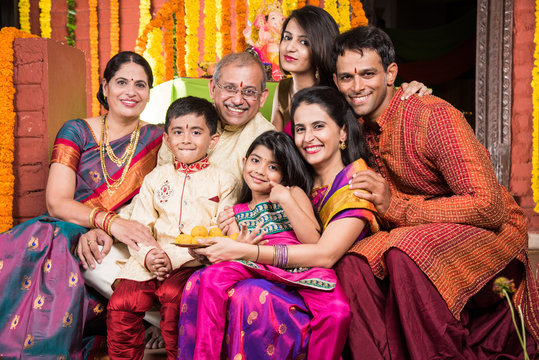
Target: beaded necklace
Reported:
[(104, 146)]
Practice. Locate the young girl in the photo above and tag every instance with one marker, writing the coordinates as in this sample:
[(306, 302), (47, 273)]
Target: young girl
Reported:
[(273, 200)]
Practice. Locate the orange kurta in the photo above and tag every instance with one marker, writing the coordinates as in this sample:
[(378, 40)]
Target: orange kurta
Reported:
[(450, 214)]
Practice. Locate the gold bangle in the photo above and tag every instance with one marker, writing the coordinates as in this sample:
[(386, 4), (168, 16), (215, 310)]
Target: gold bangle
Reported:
[(93, 215), (109, 225)]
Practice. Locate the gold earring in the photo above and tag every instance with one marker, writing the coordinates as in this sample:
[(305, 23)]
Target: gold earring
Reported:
[(342, 145)]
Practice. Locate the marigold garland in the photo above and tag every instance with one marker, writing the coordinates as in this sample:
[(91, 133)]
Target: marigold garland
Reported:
[(225, 28), (154, 55), (147, 44), (331, 7), (219, 25), (114, 27), (169, 49), (24, 15), (7, 123), (358, 14), (45, 18), (253, 6), (301, 3), (209, 31), (314, 2), (144, 16), (535, 96), (344, 15), (180, 40), (288, 6), (94, 56), (241, 22), (192, 8)]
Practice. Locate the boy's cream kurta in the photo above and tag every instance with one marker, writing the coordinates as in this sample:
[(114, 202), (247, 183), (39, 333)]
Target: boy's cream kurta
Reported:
[(170, 202)]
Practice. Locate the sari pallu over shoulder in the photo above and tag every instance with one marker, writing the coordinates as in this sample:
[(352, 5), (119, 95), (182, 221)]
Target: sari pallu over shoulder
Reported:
[(338, 201), (44, 303), (76, 147)]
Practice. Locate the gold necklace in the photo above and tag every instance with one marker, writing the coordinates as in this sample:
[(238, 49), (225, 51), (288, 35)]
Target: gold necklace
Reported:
[(112, 156), (126, 158)]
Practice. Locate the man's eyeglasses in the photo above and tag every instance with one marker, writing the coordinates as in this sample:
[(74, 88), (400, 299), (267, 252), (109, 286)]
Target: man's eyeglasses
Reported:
[(247, 94)]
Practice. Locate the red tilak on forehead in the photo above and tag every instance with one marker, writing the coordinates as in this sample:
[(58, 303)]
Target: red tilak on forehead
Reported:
[(131, 79), (241, 84), (355, 70), (187, 126)]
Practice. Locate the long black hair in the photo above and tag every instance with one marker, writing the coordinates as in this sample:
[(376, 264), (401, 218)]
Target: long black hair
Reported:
[(321, 30), (293, 168), (334, 104), (114, 65)]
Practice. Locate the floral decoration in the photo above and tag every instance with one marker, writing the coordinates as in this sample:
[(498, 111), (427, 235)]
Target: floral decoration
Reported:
[(169, 48), (209, 31), (94, 56), (344, 15), (535, 98), (301, 3), (241, 22), (180, 40), (331, 7), (219, 28), (114, 27), (504, 288), (154, 55), (149, 40), (24, 15), (192, 8), (144, 16), (288, 6), (358, 14), (45, 18), (253, 6), (7, 123), (225, 29)]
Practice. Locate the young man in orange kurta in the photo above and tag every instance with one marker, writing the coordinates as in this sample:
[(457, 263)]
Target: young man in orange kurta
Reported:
[(423, 290)]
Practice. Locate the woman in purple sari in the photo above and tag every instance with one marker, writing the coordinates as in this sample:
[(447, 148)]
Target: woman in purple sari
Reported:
[(97, 166), (269, 320)]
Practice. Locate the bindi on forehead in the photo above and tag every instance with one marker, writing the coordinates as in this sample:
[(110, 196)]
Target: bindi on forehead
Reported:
[(241, 84), (187, 126), (355, 70)]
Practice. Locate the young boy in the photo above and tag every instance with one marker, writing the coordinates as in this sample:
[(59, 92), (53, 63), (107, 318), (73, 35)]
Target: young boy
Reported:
[(173, 199)]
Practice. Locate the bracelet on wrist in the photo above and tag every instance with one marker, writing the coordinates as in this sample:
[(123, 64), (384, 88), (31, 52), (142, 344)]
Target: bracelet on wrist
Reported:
[(93, 216), (257, 252), (280, 256)]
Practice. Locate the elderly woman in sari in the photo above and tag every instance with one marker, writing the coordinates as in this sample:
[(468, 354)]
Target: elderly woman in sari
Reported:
[(97, 166)]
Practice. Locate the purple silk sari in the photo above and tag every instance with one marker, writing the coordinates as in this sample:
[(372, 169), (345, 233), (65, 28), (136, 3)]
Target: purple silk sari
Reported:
[(44, 304), (267, 320)]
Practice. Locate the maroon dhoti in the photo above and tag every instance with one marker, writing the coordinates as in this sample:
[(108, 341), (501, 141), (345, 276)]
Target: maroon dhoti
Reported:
[(404, 317), (126, 308)]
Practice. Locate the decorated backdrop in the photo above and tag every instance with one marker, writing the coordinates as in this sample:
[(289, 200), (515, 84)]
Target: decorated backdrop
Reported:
[(179, 38)]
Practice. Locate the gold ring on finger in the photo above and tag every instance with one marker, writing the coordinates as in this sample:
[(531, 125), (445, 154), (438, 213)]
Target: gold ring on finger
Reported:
[(90, 242)]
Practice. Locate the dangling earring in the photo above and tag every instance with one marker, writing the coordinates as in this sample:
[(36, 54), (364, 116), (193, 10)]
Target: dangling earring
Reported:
[(342, 145), (317, 75)]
